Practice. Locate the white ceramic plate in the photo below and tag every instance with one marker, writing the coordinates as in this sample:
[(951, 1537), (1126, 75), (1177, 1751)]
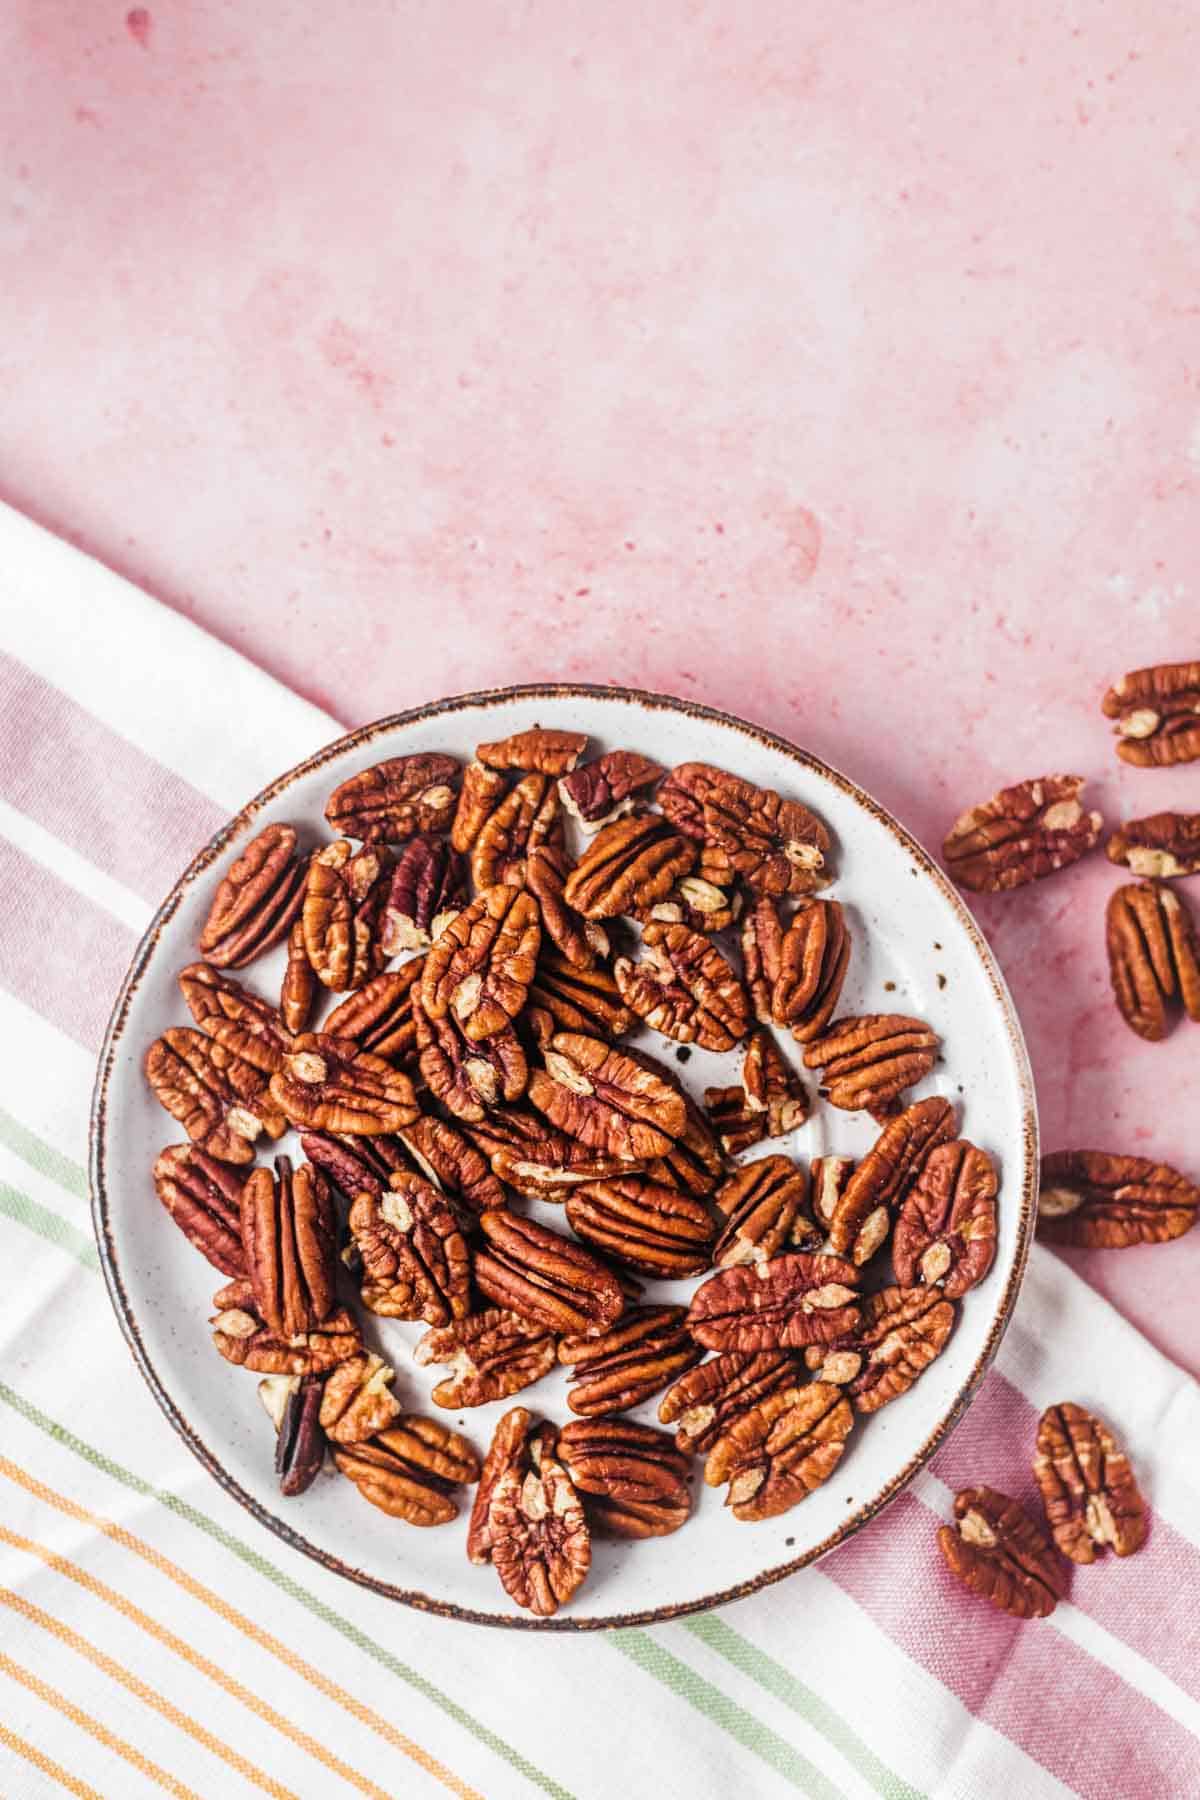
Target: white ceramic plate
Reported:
[(915, 949)]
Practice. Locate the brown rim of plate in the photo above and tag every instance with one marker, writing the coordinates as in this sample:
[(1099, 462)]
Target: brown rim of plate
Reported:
[(217, 847)]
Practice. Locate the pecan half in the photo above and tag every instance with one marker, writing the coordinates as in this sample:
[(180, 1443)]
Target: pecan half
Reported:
[(343, 906), (649, 1227), (357, 1401), (234, 1017), (538, 1273), (647, 1347), (1099, 1201), (828, 1179), (379, 1016), (411, 1470), (243, 1339), (603, 790), (354, 1165), (795, 976), (531, 1156), (481, 967), (468, 1078), (293, 1404), (630, 863), (256, 901), (427, 887), (523, 819), (867, 1062), (902, 1331), (780, 1451), (289, 1235), (327, 1085), (397, 798), (1021, 834), (607, 1099), (783, 1304), (578, 999), (1153, 957), (298, 989), (480, 794), (698, 904), (999, 1553), (1088, 1489), (776, 846), (453, 1164), (946, 1228), (203, 1196), (685, 988), (763, 1205), (704, 1403), (579, 941), (513, 1446), (1164, 846), (540, 749), (416, 1264), (540, 1543), (881, 1181), (490, 1355), (694, 1163), (222, 1102), (1157, 711), (633, 1479), (770, 1102)]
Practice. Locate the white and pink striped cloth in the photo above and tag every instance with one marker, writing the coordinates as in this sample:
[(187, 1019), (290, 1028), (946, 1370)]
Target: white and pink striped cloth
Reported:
[(153, 1638)]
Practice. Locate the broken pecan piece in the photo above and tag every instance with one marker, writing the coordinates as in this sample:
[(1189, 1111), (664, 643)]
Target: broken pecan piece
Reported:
[(518, 824), (783, 1304), (234, 1017), (427, 887), (289, 1235), (603, 790), (828, 1179), (866, 1063), (770, 1102), (1162, 847), (357, 1401), (780, 1451), (468, 1078), (1157, 713), (704, 1403), (946, 1228), (878, 1186), (685, 988), (902, 1331), (490, 1354), (1098, 1201), (222, 1101), (700, 905), (203, 1196), (327, 1085), (999, 1553), (257, 900), (539, 1539), (652, 1228), (480, 969), (633, 1479), (763, 1205), (299, 986), (630, 863), (538, 1273), (379, 1016), (412, 1469), (1021, 834), (578, 999), (607, 1099), (1153, 957), (243, 1339), (397, 798), (293, 1404), (694, 1163), (416, 1264), (343, 906), (646, 1348), (539, 749), (579, 941), (1088, 1489)]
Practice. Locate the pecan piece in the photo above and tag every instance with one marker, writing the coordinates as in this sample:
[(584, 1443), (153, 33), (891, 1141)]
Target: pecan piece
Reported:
[(578, 999), (1153, 957), (879, 1184), (1021, 834), (327, 1085), (428, 886), (538, 1273), (293, 1404), (243, 1339), (257, 900), (203, 1196), (946, 1228), (783, 1304), (480, 794), (289, 1235), (646, 1348), (539, 749), (394, 800), (630, 863), (357, 1401), (531, 1156), (354, 1165), (525, 818), (490, 1355), (694, 1163), (704, 1403), (298, 989), (607, 1099), (652, 1228), (1157, 713), (540, 1543), (770, 1102), (999, 1553), (1088, 1489), (795, 975), (468, 1078), (513, 1446), (379, 1016), (698, 904), (579, 941), (902, 1331), (416, 1264), (412, 1469), (780, 1451), (633, 1479), (866, 1063), (480, 969), (1098, 1201), (737, 1125), (1162, 847), (603, 790), (234, 1017), (446, 1158), (763, 1206), (343, 906), (828, 1179), (222, 1102), (775, 846), (685, 988)]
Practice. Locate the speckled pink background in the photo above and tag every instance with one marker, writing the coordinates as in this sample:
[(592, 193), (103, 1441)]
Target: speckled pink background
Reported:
[(833, 364)]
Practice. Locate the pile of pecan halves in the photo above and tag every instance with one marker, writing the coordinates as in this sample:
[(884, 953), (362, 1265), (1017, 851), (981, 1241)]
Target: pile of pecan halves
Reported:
[(1092, 1198)]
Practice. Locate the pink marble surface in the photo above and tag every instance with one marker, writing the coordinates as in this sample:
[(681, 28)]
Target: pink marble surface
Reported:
[(835, 365)]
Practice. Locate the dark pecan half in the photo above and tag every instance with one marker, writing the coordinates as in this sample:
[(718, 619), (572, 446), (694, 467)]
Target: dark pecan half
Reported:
[(293, 1404), (203, 1196), (416, 1264), (633, 1479), (524, 818), (453, 1164), (995, 1549), (222, 1101), (298, 989), (1162, 847), (480, 969), (867, 1062), (490, 1355), (343, 907), (783, 1304), (704, 1403), (355, 1165), (244, 1340), (540, 1543), (902, 1331), (540, 749), (327, 1085), (427, 887), (764, 1207), (411, 1470), (644, 1224), (685, 988), (603, 790), (1021, 834), (607, 1099), (538, 1273), (780, 1451), (879, 1184), (289, 1235), (1098, 1201), (468, 1078), (232, 1016), (1153, 958), (257, 900), (1157, 713), (379, 1017), (630, 863), (1088, 1489), (646, 1348), (579, 941), (576, 999), (397, 798), (946, 1229), (358, 1401)]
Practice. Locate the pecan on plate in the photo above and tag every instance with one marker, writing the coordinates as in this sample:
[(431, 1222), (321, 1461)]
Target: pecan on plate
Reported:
[(577, 999), (490, 1355), (293, 1404), (203, 1196), (538, 1161), (600, 791), (298, 989), (633, 1480), (327, 1085), (685, 988), (736, 1125), (289, 1235), (513, 1446), (1157, 713), (704, 1403), (526, 817), (540, 750), (453, 1164), (694, 1164), (902, 1331), (630, 863), (378, 1017), (480, 969), (795, 974), (232, 1016), (945, 1232), (650, 1227), (607, 1099), (1153, 957), (343, 906), (646, 1348), (1099, 1201), (540, 1545), (354, 1165), (698, 904), (862, 1217), (427, 887), (1089, 1493), (245, 1340), (394, 800), (828, 1179), (257, 900), (780, 1451), (1021, 834), (538, 1273), (222, 1101), (775, 846), (416, 1264), (468, 1078), (358, 1400), (579, 941), (771, 1101), (866, 1063), (1165, 845), (480, 794), (411, 1470), (783, 1304), (764, 1208), (996, 1550)]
